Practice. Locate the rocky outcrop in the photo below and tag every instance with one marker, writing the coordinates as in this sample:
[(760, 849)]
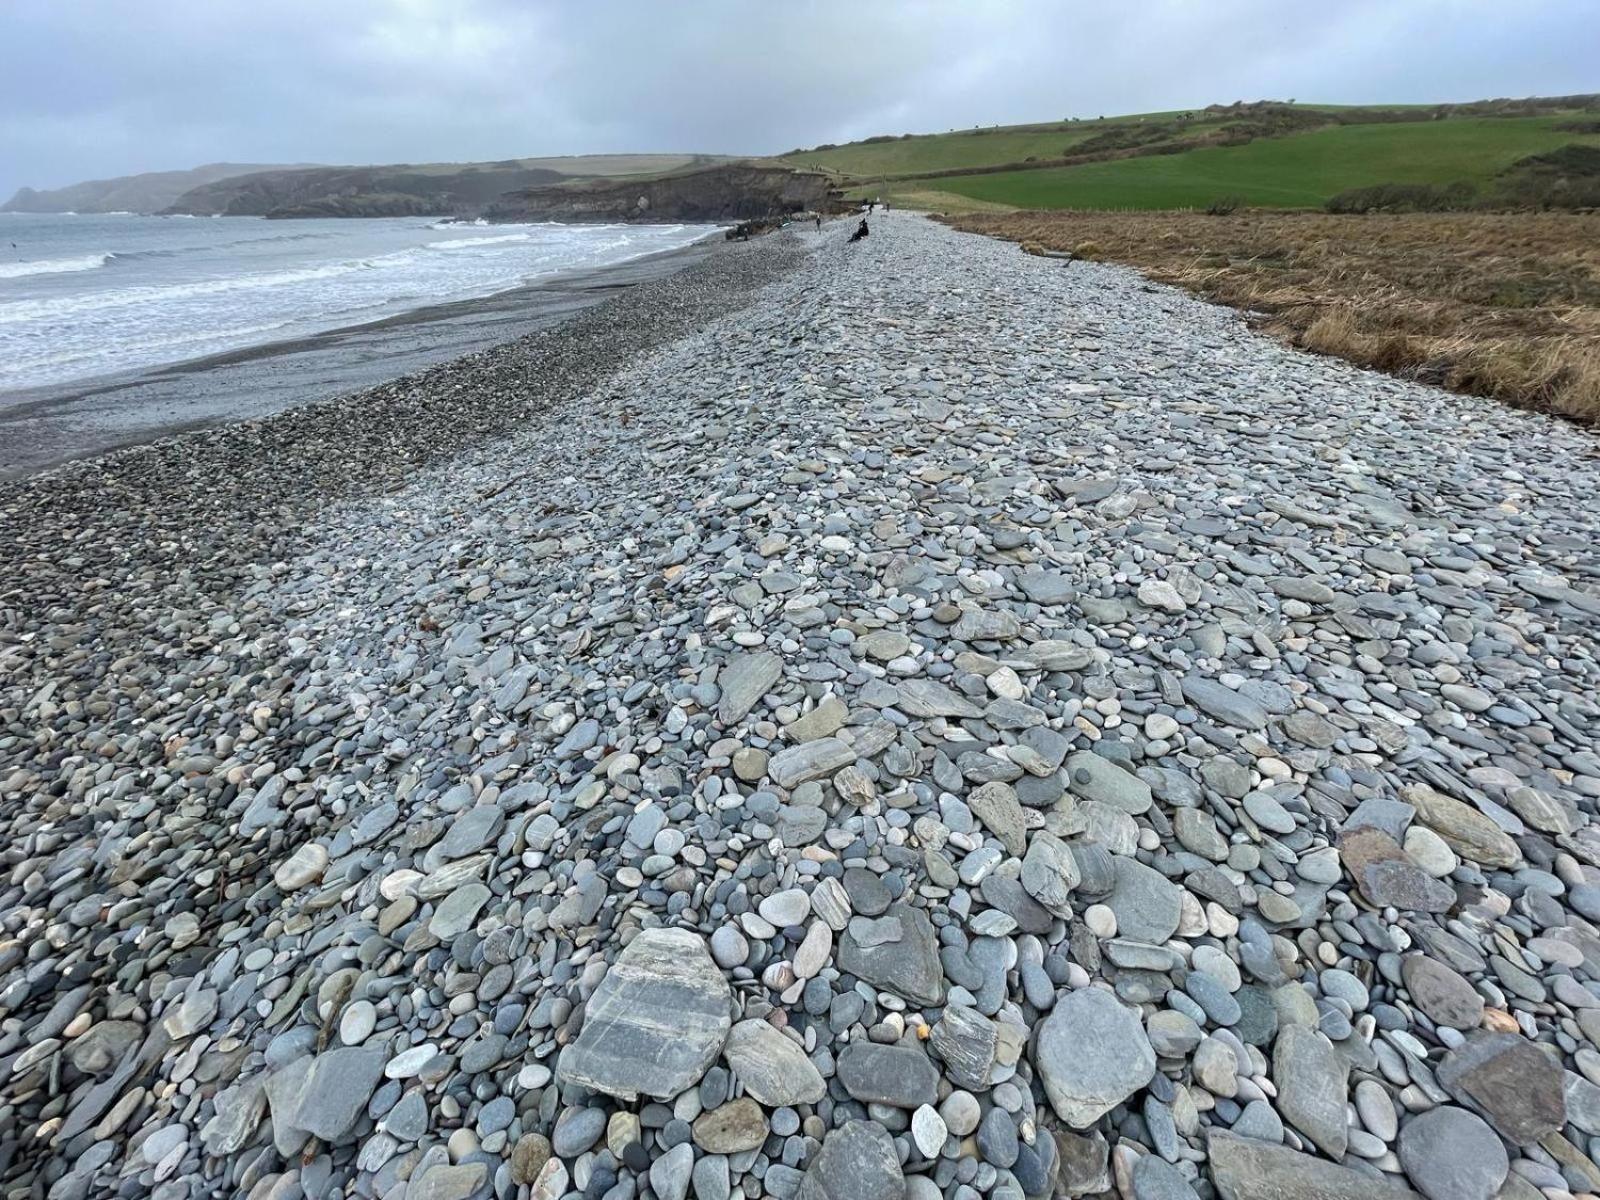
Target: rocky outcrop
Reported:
[(363, 191), (439, 189), (147, 193), (728, 192)]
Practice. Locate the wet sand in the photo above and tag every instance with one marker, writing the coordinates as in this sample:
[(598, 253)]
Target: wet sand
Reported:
[(43, 427)]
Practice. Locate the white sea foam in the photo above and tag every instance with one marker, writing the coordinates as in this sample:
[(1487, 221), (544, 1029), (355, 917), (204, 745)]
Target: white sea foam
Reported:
[(53, 266), (179, 292), (465, 243)]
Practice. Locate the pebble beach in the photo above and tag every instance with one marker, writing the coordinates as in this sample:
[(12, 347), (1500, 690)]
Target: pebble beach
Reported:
[(885, 721)]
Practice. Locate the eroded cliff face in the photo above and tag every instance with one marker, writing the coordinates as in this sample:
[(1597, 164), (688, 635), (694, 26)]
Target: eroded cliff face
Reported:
[(723, 192), (733, 192), (360, 192)]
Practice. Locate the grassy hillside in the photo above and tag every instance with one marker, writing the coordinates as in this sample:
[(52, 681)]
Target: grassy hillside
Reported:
[(945, 151), (1300, 170), (1264, 153), (889, 157)]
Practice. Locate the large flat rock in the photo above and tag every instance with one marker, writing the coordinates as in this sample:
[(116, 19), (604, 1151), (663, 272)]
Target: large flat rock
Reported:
[(656, 1022), (1092, 1054), (901, 956), (1247, 1169)]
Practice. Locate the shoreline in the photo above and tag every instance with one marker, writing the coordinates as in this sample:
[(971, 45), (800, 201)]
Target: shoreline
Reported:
[(49, 426), (981, 702)]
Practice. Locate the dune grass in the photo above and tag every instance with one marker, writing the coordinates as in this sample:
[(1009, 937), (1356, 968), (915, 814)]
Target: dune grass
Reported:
[(1505, 305)]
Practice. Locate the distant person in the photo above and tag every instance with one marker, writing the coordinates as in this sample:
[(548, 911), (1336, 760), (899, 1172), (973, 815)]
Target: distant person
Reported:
[(819, 222), (861, 231)]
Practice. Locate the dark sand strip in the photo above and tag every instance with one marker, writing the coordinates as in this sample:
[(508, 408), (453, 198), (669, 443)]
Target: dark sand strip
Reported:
[(43, 427)]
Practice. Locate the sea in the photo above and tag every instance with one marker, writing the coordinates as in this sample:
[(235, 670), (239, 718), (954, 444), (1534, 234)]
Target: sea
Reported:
[(84, 297)]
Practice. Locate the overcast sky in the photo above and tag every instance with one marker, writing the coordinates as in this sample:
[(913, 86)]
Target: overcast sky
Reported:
[(93, 88)]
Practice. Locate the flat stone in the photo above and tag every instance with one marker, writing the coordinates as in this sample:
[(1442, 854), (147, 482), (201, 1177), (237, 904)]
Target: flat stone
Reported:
[(771, 1066), (1173, 1034), (1248, 1169), (995, 804), (800, 824), (908, 966), (1443, 995), (731, 1128), (822, 721), (670, 1173), (786, 908), (856, 1162), (986, 625), (893, 1075), (1084, 1168), (1313, 1080), (1050, 873), (1542, 811), (1267, 812), (1156, 1179), (1222, 703), (1046, 588), (866, 892), (1148, 905), (529, 1156), (236, 1113), (329, 1096), (966, 1041), (656, 1022), (744, 679), (447, 1182), (469, 833), (1387, 877), (1450, 1154), (1516, 1086), (1092, 1054), (1197, 832), (1465, 830), (928, 698), (818, 759), (928, 1131), (458, 911), (1099, 779)]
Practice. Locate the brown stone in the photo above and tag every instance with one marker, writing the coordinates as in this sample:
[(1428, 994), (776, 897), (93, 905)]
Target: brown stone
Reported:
[(1386, 875), (738, 1125), (1465, 830), (1443, 995), (1519, 1088)]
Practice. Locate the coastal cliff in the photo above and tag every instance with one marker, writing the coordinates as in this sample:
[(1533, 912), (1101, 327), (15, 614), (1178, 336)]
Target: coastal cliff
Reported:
[(727, 192), (146, 193), (361, 191), (603, 184)]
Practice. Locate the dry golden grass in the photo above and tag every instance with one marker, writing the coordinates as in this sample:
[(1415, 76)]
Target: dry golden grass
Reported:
[(1493, 304)]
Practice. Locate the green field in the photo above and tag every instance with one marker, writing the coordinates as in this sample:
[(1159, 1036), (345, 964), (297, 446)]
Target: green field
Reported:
[(1300, 170), (963, 148), (943, 152)]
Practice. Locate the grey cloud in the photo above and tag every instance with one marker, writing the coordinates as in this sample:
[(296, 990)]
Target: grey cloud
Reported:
[(104, 87)]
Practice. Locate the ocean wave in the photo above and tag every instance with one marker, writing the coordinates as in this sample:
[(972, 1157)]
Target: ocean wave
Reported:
[(457, 224), (463, 243), (53, 266), (21, 311)]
